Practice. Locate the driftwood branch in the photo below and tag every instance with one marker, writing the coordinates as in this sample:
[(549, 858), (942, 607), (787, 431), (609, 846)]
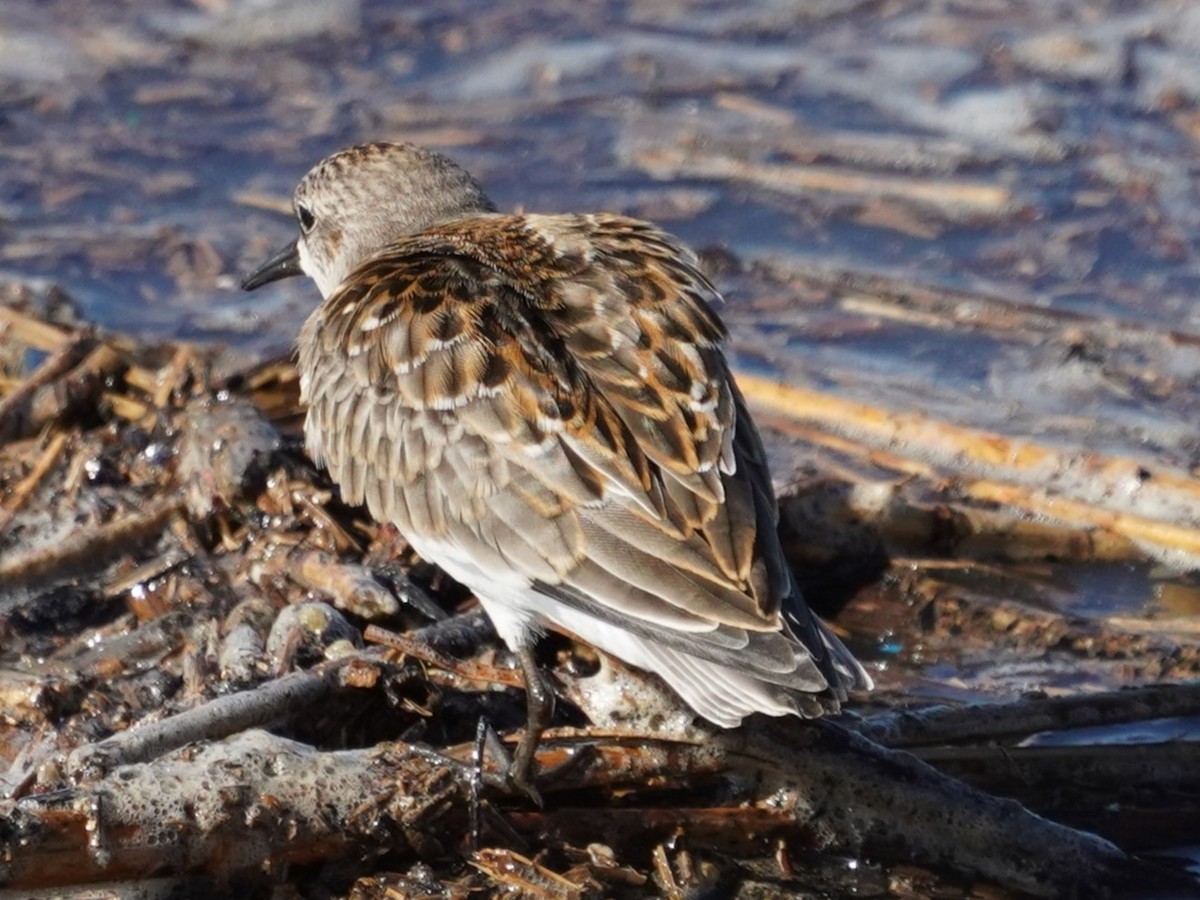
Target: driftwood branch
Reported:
[(985, 722), (228, 808), (1159, 514), (88, 549), (219, 718)]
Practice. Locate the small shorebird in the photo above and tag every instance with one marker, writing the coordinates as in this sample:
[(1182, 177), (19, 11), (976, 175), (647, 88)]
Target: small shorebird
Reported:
[(540, 404)]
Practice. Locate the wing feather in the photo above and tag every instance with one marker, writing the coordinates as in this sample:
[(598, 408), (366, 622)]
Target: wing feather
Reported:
[(557, 406)]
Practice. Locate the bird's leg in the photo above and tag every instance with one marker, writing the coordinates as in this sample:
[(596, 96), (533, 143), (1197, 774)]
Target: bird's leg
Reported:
[(539, 706)]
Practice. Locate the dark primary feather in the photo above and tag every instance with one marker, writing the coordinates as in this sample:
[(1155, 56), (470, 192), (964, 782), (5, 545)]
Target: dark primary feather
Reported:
[(548, 393)]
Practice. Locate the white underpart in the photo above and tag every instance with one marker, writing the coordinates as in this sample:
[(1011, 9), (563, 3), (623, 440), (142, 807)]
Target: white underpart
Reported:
[(520, 614), (327, 282)]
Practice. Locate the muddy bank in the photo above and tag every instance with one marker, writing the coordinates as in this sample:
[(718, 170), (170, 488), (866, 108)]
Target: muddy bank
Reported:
[(175, 576)]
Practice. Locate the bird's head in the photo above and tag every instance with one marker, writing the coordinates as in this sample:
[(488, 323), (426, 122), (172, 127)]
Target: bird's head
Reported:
[(356, 202)]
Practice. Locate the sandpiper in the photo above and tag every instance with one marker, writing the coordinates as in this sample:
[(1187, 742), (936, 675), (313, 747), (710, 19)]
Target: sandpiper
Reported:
[(540, 404)]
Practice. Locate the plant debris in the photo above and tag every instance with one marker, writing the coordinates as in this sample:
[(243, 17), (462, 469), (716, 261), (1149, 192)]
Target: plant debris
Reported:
[(216, 673)]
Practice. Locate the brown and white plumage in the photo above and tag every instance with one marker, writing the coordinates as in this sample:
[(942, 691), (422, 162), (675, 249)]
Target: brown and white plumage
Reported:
[(540, 404)]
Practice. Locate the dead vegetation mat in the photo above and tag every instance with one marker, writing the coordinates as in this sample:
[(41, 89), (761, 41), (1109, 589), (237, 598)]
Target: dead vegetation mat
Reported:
[(188, 705)]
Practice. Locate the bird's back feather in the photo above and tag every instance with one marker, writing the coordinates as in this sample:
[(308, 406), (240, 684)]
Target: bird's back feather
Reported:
[(543, 402)]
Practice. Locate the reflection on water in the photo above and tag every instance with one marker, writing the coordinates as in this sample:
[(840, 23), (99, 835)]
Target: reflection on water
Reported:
[(133, 129)]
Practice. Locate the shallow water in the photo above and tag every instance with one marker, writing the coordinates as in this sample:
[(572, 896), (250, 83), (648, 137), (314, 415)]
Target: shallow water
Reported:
[(130, 127)]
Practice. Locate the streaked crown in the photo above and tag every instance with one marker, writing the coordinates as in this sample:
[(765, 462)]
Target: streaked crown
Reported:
[(354, 203)]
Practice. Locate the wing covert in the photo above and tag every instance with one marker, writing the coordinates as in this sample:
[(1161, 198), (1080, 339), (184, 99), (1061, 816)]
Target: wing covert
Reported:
[(549, 393)]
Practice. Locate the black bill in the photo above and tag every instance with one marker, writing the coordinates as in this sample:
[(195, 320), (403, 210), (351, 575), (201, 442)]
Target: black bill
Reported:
[(283, 263)]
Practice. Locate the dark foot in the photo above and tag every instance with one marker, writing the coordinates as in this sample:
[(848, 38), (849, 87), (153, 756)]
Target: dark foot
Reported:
[(539, 705), (488, 743)]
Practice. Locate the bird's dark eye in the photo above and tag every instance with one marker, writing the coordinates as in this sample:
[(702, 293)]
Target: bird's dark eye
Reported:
[(304, 214)]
